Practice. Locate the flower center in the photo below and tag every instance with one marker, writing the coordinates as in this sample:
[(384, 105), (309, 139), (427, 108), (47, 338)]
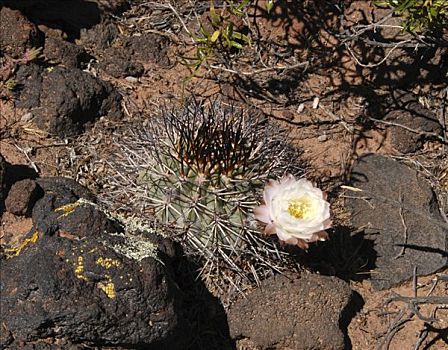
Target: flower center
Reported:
[(300, 208)]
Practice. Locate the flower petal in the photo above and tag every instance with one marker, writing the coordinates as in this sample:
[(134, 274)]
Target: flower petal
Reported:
[(292, 241), (270, 229), (320, 236), (287, 180), (302, 244), (261, 213), (307, 224), (269, 191), (282, 235)]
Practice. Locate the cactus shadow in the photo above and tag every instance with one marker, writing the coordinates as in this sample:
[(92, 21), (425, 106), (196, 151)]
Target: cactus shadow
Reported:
[(347, 255), (204, 315)]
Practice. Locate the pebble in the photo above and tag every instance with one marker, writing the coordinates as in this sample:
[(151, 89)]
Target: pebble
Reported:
[(323, 138), (131, 79), (27, 117)]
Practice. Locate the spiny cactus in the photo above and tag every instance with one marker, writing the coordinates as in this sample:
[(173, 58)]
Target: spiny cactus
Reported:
[(199, 171)]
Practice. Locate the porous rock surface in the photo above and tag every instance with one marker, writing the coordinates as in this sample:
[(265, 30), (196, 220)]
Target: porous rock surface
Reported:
[(417, 118), (64, 100), (72, 282), (22, 196), (58, 51), (119, 64), (2, 181), (288, 313), (399, 211), (17, 33)]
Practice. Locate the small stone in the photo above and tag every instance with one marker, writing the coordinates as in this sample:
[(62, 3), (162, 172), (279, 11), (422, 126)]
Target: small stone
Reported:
[(287, 312), (149, 47), (26, 117), (119, 64), (415, 117), (131, 79), (2, 180), (63, 52), (22, 197), (323, 138)]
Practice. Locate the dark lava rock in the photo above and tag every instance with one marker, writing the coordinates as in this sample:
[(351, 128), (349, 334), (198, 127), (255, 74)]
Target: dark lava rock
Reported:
[(68, 15), (112, 6), (415, 117), (149, 47), (2, 181), (29, 76), (64, 101), (54, 211), (59, 51), (118, 63), (87, 285), (22, 196), (52, 218), (71, 16), (84, 290), (17, 34), (65, 188), (399, 211), (287, 312), (100, 36)]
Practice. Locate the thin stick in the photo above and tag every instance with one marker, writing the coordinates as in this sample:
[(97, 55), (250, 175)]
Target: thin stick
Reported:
[(433, 134), (262, 70), (405, 229), (372, 65), (182, 22)]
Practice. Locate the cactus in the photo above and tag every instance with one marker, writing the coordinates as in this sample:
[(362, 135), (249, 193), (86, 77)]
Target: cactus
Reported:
[(198, 172)]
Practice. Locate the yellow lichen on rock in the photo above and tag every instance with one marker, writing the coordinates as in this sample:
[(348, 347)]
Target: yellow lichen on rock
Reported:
[(16, 251), (108, 287), (108, 263), (67, 209), (79, 269)]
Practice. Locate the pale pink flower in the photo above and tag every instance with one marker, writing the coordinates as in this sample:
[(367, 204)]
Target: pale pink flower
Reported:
[(295, 210)]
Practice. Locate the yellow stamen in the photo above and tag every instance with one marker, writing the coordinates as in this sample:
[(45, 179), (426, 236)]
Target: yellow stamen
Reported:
[(300, 208)]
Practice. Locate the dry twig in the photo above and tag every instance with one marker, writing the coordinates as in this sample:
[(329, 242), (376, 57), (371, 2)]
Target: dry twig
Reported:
[(411, 311)]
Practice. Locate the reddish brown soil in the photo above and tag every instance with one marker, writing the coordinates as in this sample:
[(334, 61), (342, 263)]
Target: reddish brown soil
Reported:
[(331, 135)]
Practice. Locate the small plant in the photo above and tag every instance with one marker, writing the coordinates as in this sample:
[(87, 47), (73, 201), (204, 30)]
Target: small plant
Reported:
[(420, 15), (199, 172), (7, 70), (218, 33)]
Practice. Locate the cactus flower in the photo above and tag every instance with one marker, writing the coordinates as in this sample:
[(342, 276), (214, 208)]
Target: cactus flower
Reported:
[(295, 210)]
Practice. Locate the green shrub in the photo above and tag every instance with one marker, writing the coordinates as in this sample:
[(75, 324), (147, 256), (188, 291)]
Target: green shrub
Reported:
[(420, 15)]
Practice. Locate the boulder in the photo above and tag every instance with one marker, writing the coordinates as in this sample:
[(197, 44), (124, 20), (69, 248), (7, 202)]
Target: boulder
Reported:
[(292, 313), (398, 210), (80, 278), (66, 100)]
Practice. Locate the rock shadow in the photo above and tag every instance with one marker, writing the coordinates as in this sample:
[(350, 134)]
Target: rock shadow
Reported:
[(69, 16)]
